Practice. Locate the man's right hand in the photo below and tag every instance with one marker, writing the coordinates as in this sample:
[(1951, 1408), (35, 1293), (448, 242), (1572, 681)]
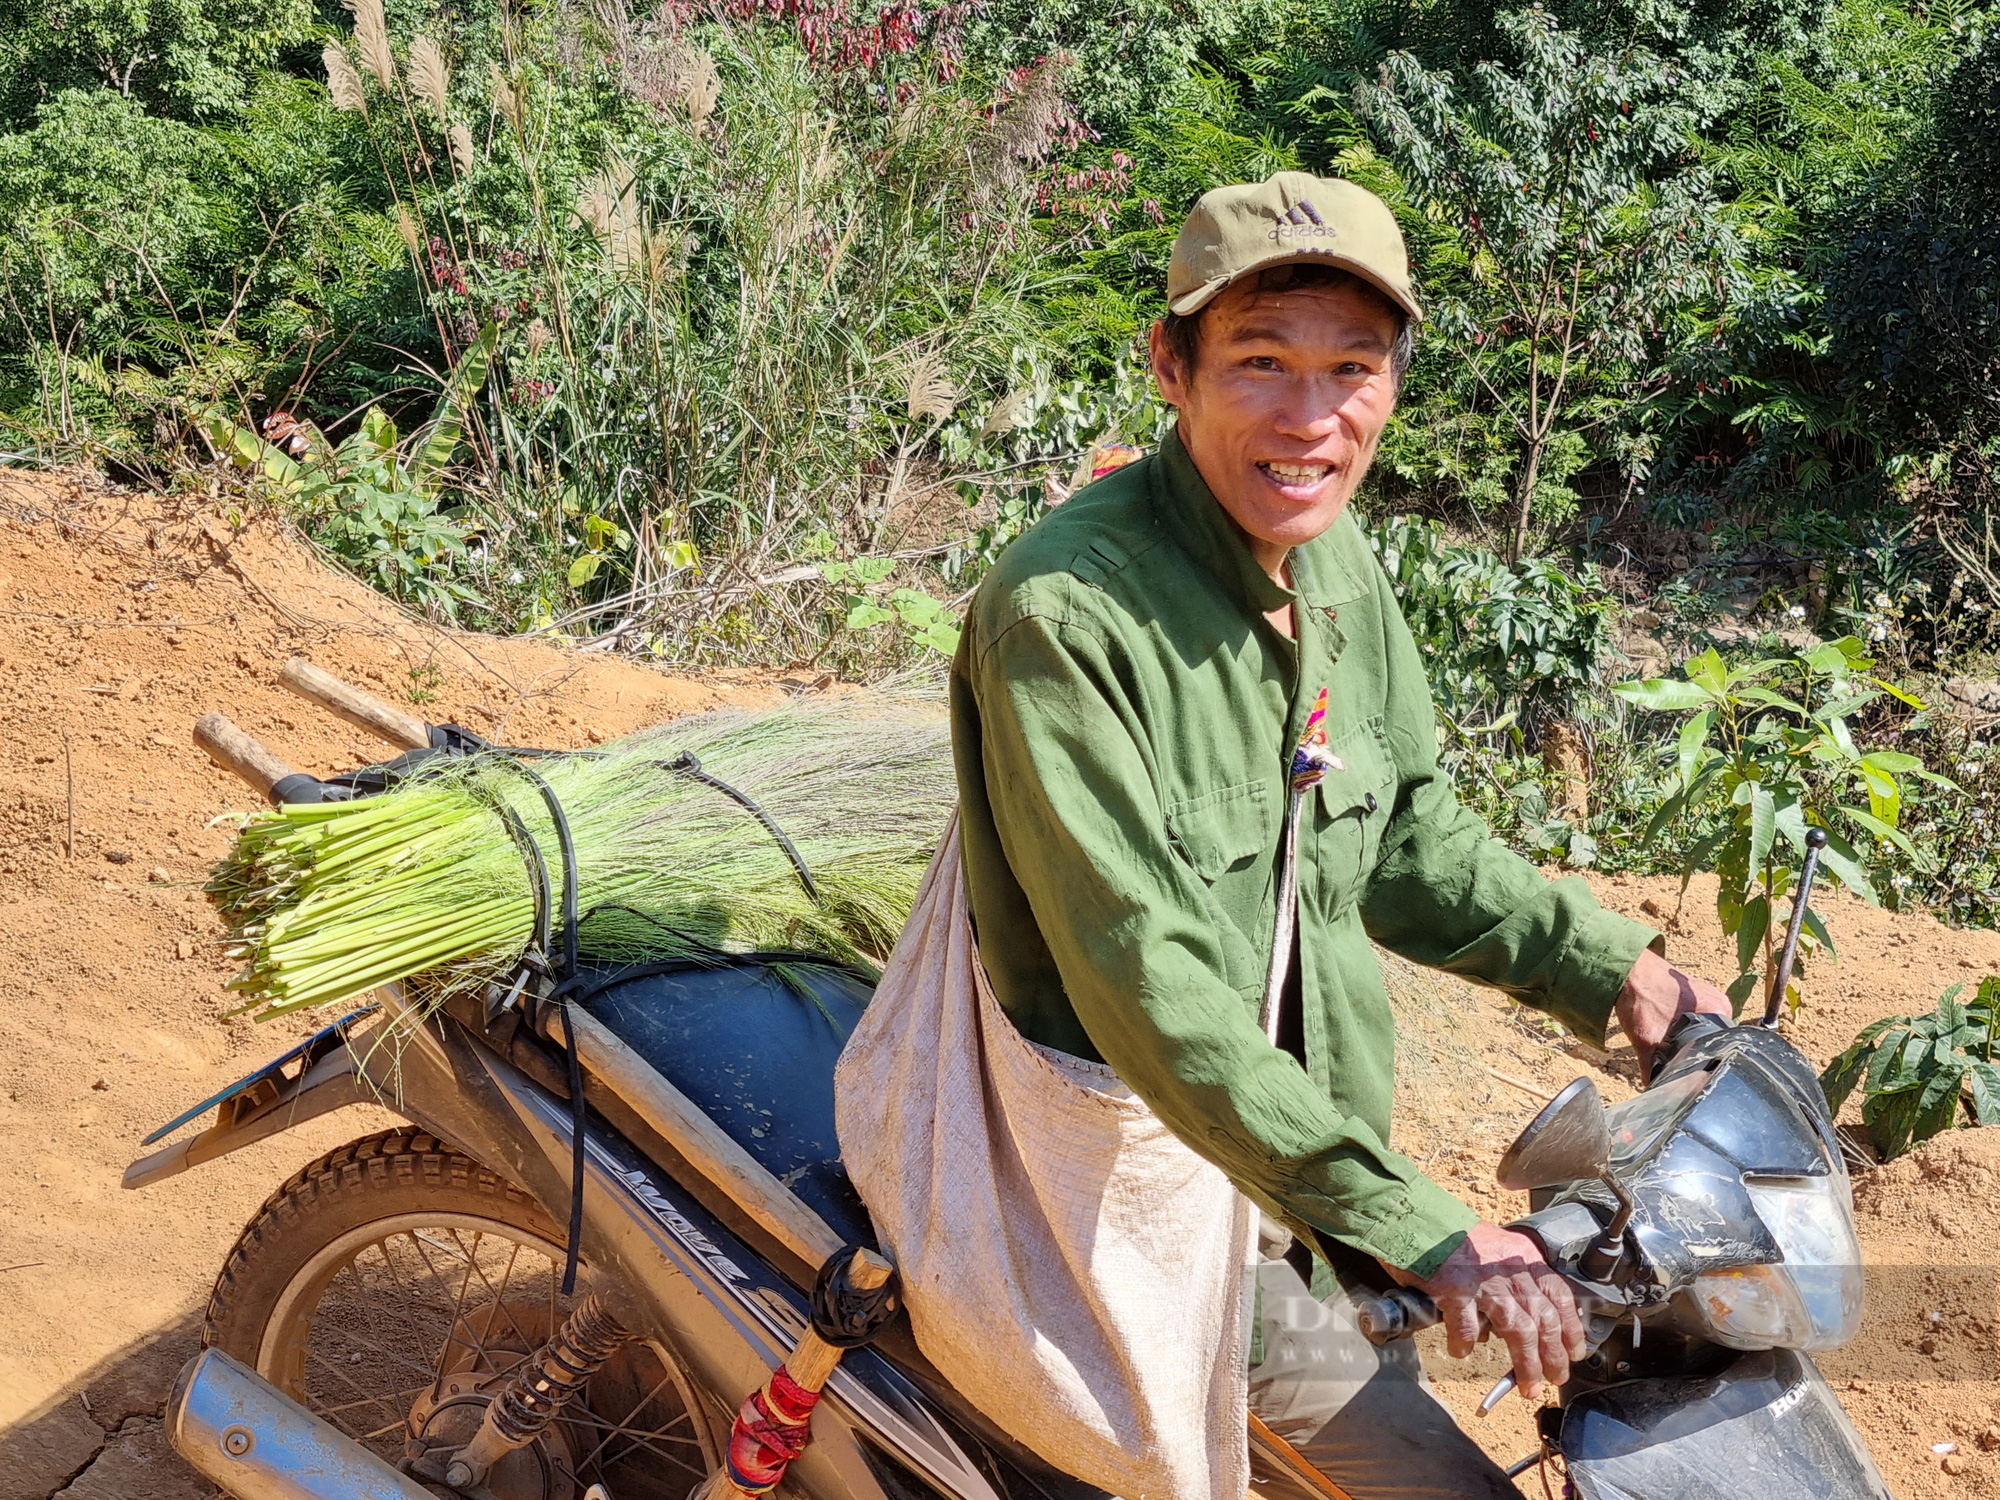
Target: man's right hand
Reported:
[(1503, 1276)]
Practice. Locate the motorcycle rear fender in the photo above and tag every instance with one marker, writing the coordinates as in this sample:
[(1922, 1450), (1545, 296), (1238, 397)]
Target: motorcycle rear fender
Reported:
[(322, 1074), (1766, 1425)]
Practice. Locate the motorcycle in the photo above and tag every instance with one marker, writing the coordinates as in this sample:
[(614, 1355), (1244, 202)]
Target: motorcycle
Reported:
[(612, 1207)]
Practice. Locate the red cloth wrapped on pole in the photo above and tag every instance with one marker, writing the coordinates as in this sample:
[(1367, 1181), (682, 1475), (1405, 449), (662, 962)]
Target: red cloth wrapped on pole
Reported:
[(851, 1302), (772, 1428)]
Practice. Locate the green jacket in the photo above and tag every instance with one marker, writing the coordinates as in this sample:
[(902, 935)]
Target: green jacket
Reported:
[(1122, 717)]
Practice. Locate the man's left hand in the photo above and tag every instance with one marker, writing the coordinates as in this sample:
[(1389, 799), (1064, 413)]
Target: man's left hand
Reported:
[(1656, 994)]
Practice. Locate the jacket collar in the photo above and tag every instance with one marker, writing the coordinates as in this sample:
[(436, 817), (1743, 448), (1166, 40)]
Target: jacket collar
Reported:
[(1196, 520)]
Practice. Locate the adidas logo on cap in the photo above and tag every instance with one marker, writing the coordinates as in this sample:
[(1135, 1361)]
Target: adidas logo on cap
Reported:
[(1301, 222)]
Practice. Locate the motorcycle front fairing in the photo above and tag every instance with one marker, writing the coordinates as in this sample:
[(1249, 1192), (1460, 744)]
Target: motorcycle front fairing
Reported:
[(1766, 1426), (1680, 1416)]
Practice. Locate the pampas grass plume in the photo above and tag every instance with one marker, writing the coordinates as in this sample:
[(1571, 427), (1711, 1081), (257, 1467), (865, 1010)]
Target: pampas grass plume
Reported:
[(461, 150), (505, 99), (702, 86), (342, 81), (371, 35), (1009, 412), (407, 227), (928, 391), (429, 79)]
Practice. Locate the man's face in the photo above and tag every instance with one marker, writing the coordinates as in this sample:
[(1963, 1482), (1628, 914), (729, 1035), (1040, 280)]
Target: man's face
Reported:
[(1285, 404)]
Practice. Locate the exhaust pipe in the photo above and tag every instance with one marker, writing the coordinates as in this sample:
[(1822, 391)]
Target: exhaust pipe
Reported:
[(253, 1440)]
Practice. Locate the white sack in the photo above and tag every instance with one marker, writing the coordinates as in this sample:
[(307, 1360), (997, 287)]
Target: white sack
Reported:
[(1068, 1264)]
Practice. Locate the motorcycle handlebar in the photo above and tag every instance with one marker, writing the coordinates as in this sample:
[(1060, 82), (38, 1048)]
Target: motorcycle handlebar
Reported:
[(1399, 1313)]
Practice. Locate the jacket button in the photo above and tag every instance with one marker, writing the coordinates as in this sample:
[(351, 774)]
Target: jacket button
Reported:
[(1369, 799)]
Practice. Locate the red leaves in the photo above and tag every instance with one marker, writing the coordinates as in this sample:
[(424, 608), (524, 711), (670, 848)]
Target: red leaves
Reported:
[(834, 41)]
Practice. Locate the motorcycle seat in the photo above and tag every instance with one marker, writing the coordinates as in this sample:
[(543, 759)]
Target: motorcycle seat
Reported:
[(752, 1041)]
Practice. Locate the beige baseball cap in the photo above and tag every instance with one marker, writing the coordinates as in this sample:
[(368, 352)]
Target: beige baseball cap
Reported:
[(1287, 218)]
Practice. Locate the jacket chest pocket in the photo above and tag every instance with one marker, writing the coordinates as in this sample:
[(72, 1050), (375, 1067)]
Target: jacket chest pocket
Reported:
[(1355, 805), (1228, 837)]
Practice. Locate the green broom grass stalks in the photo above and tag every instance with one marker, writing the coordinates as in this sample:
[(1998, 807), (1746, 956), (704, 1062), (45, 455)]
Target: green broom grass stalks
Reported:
[(327, 901)]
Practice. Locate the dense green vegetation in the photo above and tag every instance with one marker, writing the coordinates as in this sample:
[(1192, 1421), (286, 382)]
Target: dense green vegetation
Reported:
[(751, 329)]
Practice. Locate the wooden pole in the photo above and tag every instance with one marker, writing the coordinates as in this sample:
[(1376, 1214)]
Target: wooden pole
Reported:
[(360, 709), (773, 1426), (706, 1146), (233, 750)]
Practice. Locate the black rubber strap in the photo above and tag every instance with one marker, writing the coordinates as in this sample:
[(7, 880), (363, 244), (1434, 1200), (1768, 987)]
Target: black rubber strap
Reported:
[(845, 1315), (686, 764), (566, 982)]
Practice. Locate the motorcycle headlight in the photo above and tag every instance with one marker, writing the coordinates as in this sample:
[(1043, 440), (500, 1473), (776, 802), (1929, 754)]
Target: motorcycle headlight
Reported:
[(1813, 1299)]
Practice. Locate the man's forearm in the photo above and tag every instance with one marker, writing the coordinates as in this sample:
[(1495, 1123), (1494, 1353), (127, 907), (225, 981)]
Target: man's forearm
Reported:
[(1450, 896)]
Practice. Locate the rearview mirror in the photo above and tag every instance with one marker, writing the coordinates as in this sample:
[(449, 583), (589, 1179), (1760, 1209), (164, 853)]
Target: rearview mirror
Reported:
[(1568, 1141)]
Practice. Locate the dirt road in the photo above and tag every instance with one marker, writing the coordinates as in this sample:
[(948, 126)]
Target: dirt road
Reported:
[(122, 620)]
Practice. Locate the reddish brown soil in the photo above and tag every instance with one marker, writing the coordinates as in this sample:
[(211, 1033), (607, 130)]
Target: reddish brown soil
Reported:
[(123, 619)]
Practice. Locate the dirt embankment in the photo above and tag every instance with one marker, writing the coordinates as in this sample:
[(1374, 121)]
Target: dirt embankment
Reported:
[(123, 619)]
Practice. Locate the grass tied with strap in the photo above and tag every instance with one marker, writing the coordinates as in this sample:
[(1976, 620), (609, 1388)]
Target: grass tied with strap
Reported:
[(329, 900)]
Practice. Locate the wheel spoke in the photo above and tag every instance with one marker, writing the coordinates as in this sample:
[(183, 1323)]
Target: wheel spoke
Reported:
[(457, 1312), (621, 1427), (392, 1396), (500, 1299), (413, 1296), (419, 1298), (639, 1444), (348, 1336)]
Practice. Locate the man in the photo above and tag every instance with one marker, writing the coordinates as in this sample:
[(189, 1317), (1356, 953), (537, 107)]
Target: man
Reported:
[(1132, 681)]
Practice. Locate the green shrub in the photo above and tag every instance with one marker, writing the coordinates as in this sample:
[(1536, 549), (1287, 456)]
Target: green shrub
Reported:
[(1919, 1075), (184, 59), (1769, 749), (1527, 641), (740, 301), (113, 224)]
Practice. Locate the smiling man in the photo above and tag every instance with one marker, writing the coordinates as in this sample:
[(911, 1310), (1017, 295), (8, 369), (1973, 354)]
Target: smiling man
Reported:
[(1133, 678)]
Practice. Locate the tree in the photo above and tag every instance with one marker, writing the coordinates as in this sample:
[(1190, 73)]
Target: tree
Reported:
[(189, 59), (1580, 254)]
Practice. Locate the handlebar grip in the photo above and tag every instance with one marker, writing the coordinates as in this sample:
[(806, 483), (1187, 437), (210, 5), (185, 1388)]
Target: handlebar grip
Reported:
[(1399, 1313)]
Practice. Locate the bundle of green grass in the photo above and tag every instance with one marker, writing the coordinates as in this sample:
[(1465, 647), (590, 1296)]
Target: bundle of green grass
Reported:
[(326, 901)]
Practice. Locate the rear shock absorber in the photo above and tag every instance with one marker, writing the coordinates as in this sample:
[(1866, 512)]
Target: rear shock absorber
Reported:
[(539, 1390)]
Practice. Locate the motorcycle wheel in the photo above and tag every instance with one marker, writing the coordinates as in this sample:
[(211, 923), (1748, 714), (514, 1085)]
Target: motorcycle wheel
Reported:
[(392, 1287)]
